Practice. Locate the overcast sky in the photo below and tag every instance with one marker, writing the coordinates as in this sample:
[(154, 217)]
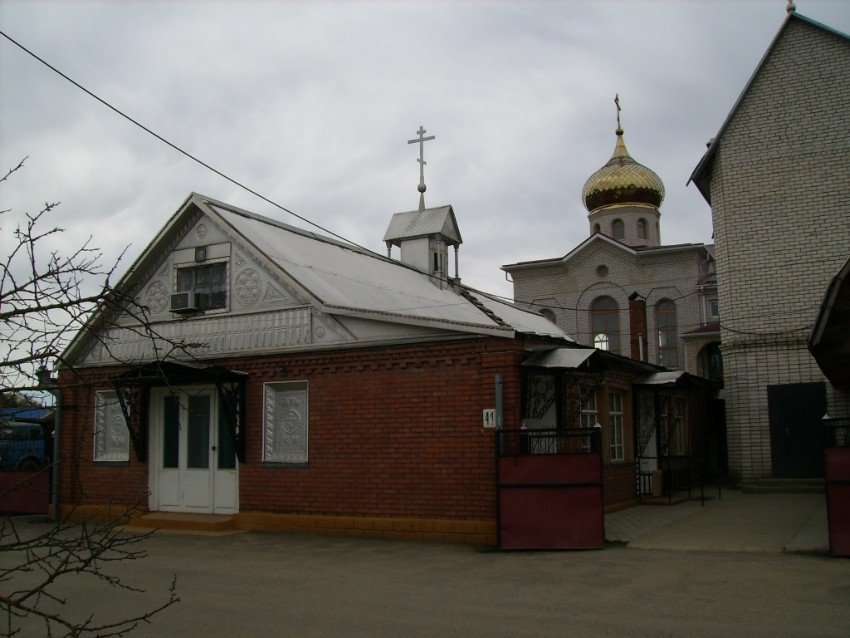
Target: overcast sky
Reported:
[(311, 104)]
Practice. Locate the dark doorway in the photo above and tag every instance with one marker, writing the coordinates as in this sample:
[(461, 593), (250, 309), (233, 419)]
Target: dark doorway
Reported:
[(796, 411)]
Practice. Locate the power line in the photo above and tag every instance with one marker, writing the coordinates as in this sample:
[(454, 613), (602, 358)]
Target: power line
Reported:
[(177, 148)]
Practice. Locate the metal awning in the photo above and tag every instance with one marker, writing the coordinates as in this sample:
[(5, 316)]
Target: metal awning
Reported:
[(174, 372), (564, 358), (132, 389), (671, 377)]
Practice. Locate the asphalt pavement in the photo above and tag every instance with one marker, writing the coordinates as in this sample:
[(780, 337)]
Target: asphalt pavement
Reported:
[(732, 567)]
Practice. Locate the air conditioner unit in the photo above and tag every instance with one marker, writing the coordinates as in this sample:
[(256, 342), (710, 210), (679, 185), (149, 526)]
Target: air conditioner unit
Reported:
[(183, 302)]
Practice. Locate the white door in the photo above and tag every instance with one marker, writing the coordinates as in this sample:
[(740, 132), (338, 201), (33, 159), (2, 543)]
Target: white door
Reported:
[(193, 464)]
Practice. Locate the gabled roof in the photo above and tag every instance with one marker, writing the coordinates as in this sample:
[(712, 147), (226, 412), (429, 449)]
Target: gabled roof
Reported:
[(702, 172), (342, 279), (424, 223), (599, 237)]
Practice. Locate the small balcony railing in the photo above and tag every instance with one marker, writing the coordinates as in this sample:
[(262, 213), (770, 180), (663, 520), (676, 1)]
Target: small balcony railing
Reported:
[(548, 441)]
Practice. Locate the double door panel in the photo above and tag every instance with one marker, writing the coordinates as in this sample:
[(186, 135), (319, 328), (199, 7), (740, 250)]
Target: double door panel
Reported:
[(195, 457)]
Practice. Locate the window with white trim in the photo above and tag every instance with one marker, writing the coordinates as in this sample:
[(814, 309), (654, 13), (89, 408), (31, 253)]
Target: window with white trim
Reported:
[(679, 426), (285, 422), (605, 324), (111, 437), (616, 444), (713, 307), (589, 411), (589, 417), (207, 281)]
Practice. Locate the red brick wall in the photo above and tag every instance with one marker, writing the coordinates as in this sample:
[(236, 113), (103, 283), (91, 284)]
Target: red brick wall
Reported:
[(81, 481), (393, 431)]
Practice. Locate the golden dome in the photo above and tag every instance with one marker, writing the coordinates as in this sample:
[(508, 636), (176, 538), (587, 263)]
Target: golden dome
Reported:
[(622, 181)]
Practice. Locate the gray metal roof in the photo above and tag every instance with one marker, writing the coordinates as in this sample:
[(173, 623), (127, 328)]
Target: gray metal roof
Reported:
[(431, 221), (345, 279)]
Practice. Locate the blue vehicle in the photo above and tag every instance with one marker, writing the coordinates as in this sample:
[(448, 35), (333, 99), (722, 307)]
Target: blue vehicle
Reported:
[(22, 446)]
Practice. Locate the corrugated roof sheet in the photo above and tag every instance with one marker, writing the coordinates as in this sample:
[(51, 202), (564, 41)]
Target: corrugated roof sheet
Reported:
[(430, 221), (344, 278)]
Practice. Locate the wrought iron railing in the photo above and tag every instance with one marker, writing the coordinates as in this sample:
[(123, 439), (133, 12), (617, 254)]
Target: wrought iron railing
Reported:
[(678, 474), (548, 441)]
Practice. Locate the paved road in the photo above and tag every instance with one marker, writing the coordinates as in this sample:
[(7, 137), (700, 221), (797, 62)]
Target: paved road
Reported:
[(293, 585)]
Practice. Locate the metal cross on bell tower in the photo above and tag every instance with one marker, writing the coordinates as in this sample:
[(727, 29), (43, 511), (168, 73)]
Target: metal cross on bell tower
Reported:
[(421, 141)]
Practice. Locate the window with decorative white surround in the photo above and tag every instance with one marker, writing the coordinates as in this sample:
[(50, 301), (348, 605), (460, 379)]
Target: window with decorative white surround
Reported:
[(207, 283), (111, 437), (285, 422), (616, 426)]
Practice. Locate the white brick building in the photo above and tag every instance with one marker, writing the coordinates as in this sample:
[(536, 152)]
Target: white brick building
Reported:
[(777, 177), (621, 289)]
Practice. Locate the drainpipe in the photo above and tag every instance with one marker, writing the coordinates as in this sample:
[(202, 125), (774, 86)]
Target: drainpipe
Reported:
[(48, 382), (637, 326), (500, 410)]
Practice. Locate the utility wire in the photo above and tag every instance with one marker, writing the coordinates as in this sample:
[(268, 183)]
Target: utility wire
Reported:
[(177, 148), (280, 206)]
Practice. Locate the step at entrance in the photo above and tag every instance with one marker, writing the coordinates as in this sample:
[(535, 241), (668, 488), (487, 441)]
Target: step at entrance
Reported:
[(180, 521)]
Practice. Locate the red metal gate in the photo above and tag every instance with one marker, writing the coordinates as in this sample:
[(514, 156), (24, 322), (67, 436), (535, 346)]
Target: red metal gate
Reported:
[(550, 489), (837, 480), (24, 492)]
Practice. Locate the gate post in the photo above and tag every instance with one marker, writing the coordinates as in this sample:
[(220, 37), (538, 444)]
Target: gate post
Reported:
[(837, 483)]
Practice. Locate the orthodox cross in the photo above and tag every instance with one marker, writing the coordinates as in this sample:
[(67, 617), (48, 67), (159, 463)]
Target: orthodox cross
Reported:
[(421, 141), (617, 102)]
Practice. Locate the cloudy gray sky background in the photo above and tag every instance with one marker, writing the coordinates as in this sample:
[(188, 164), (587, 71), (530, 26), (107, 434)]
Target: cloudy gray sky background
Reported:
[(312, 103)]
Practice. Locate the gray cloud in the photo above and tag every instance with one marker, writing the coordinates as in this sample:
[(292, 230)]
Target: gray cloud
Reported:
[(312, 104)]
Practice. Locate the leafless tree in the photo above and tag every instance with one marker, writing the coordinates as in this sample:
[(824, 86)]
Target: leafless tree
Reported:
[(46, 296)]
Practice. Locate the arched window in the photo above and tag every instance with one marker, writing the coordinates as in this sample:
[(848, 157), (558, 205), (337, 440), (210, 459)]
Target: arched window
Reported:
[(597, 228), (668, 334), (605, 324), (549, 314), (711, 362), (618, 229), (641, 229)]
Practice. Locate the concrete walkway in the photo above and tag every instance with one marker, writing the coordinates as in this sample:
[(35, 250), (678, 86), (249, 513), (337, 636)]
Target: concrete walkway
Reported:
[(737, 522)]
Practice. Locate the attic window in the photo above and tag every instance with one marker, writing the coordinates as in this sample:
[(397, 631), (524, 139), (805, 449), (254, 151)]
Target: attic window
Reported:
[(207, 282)]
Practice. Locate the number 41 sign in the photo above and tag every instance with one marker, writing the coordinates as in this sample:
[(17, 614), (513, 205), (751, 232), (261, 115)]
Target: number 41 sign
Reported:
[(490, 418)]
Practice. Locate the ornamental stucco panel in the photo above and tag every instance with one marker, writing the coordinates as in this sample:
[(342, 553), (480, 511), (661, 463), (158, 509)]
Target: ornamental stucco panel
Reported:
[(285, 422), (111, 438), (262, 332)]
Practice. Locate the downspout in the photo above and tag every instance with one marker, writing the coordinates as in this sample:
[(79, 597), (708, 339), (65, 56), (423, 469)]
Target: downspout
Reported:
[(48, 382), (57, 420), (500, 415)]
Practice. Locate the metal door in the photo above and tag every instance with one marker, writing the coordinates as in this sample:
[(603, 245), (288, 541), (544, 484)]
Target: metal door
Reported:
[(796, 432)]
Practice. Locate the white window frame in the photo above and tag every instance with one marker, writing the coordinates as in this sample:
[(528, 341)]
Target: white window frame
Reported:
[(589, 417), (616, 426), (194, 265), (713, 308), (111, 436), (679, 425), (286, 422)]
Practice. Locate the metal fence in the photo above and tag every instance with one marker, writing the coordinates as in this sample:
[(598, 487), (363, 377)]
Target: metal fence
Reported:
[(548, 441)]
